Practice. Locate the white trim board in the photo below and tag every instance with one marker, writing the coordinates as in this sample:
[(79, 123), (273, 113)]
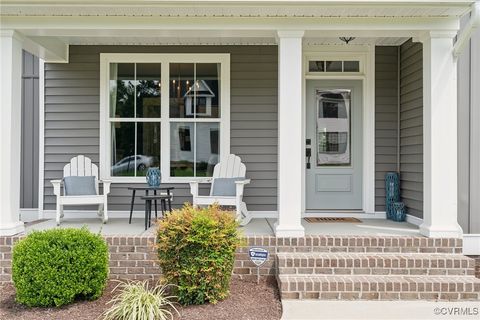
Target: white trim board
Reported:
[(41, 136), (471, 244)]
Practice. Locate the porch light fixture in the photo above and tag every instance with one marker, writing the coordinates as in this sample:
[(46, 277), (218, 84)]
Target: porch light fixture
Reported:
[(347, 39)]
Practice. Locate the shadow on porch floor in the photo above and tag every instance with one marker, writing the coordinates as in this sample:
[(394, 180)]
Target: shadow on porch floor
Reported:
[(120, 226)]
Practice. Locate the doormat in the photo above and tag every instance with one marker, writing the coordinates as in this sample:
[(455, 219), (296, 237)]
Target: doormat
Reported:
[(331, 219)]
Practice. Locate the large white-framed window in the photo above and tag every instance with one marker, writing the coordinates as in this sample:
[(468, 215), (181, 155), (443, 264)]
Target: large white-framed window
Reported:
[(170, 111)]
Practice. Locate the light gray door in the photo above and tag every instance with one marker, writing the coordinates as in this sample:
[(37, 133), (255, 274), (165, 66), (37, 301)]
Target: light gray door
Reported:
[(334, 137)]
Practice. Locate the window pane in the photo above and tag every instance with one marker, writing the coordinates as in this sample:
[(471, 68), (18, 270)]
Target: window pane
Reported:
[(333, 127), (351, 66), (205, 91), (181, 149), (334, 66), (122, 90), (207, 148), (181, 80), (148, 90), (316, 66), (123, 149), (148, 146)]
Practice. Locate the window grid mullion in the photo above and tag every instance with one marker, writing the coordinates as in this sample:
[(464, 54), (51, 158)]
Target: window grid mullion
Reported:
[(135, 117)]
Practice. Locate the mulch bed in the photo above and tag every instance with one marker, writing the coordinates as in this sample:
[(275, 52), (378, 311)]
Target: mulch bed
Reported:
[(247, 301)]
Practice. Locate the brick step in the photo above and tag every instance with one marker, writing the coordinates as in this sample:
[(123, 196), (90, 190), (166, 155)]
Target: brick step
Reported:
[(367, 244), (374, 264), (379, 287)]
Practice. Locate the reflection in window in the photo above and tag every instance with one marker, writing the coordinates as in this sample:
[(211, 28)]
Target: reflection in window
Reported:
[(333, 66), (333, 127), (148, 146), (194, 90), (351, 66), (135, 96), (122, 90), (184, 139), (148, 90), (192, 148), (123, 145)]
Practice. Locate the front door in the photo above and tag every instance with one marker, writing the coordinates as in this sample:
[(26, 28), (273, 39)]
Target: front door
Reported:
[(334, 145)]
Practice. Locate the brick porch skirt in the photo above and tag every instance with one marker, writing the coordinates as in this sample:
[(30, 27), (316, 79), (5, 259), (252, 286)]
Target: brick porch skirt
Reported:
[(134, 257)]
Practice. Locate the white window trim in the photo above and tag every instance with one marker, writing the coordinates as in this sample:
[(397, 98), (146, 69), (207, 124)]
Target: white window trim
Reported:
[(165, 60)]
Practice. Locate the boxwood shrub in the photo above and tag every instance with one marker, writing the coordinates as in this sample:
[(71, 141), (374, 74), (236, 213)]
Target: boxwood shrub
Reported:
[(57, 266), (196, 250)]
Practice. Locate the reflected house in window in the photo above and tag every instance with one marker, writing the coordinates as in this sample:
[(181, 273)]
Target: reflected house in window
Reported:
[(199, 97), (333, 127)]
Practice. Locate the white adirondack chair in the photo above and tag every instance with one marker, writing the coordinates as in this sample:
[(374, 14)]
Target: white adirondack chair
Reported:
[(230, 167), (81, 166)]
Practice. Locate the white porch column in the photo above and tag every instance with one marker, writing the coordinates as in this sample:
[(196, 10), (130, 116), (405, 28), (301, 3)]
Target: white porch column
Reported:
[(10, 131), (439, 137), (290, 153)]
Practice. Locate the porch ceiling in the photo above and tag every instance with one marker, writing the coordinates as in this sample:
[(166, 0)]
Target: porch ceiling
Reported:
[(238, 8)]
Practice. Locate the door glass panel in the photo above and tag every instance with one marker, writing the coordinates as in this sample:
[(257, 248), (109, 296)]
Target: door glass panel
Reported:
[(333, 127)]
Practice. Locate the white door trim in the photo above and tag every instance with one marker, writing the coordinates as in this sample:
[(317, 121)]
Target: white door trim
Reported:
[(366, 55)]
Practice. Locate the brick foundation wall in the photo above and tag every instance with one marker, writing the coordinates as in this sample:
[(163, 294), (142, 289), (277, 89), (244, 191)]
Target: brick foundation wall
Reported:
[(135, 258), (477, 265)]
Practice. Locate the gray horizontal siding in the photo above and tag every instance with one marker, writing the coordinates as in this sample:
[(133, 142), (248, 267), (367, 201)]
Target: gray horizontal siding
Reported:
[(411, 127), (30, 130), (72, 117), (386, 118)]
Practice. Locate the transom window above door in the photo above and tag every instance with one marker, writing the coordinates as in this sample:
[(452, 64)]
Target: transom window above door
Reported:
[(166, 111), (333, 66)]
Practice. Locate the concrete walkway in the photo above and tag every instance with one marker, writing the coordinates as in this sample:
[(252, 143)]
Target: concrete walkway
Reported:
[(381, 310)]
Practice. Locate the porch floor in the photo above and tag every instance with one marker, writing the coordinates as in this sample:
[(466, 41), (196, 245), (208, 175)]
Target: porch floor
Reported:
[(120, 226)]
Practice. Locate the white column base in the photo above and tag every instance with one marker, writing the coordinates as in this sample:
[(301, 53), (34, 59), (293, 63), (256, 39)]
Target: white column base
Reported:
[(289, 232), (12, 229), (450, 231)]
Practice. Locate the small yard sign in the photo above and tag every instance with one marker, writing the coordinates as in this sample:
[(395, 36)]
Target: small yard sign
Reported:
[(258, 256)]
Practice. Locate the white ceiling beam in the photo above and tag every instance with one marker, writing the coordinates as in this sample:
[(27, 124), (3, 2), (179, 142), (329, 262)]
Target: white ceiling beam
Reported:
[(50, 49)]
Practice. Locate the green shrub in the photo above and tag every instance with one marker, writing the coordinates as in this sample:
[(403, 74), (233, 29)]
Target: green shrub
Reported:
[(196, 249), (54, 267), (138, 301)]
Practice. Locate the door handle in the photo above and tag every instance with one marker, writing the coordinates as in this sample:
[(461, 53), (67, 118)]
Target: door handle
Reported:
[(308, 154)]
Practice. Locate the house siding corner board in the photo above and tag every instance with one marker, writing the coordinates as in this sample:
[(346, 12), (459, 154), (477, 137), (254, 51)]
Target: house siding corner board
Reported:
[(72, 117), (411, 127), (386, 118)]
